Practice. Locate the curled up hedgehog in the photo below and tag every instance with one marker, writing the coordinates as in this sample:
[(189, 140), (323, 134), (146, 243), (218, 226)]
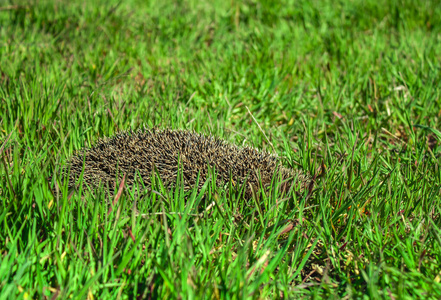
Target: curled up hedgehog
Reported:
[(168, 152)]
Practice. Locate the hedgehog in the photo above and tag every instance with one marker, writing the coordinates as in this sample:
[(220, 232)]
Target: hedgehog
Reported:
[(135, 155)]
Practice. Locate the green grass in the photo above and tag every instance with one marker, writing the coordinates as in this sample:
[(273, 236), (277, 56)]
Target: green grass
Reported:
[(337, 86)]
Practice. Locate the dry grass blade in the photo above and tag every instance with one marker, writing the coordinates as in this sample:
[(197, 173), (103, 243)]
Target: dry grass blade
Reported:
[(118, 195), (257, 123)]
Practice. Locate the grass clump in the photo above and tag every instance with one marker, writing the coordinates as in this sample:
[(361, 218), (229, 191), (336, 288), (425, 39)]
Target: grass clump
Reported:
[(347, 92)]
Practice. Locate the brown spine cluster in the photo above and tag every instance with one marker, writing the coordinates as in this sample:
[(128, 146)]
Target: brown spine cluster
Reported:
[(168, 152)]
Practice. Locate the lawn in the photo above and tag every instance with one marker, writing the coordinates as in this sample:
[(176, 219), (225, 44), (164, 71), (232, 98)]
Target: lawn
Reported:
[(347, 91)]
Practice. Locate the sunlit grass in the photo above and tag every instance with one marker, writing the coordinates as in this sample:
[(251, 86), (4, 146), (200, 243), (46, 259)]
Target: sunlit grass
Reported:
[(347, 91)]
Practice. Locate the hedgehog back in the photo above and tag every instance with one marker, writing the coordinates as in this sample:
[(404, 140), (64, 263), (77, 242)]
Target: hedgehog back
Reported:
[(166, 151)]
